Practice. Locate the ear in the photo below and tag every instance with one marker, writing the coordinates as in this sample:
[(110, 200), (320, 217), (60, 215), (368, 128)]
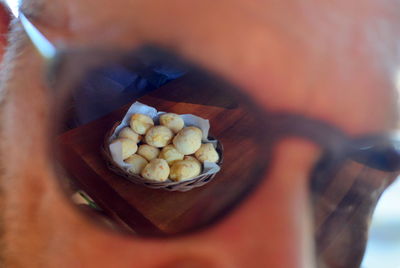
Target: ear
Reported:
[(5, 17)]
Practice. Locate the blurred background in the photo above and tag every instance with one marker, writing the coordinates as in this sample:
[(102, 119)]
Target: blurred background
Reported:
[(383, 249)]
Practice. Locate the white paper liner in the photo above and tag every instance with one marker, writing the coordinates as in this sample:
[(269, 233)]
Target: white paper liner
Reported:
[(189, 119)]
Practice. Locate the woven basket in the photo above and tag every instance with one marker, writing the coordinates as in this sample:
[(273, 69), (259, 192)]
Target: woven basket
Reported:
[(168, 185)]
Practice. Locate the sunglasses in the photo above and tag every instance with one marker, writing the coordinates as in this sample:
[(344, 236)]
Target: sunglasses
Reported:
[(92, 85)]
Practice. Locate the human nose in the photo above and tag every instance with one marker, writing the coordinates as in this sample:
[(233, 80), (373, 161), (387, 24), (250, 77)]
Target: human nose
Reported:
[(273, 228)]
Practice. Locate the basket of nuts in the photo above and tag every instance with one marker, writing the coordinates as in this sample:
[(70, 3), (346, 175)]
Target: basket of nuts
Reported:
[(162, 150)]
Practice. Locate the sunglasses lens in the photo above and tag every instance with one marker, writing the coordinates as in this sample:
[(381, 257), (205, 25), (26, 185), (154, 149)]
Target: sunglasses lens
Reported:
[(95, 95)]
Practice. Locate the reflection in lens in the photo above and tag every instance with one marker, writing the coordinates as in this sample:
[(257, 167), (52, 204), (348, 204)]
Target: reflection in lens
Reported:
[(99, 96)]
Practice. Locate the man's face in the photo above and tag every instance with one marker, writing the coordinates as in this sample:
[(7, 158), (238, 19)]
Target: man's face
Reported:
[(337, 62)]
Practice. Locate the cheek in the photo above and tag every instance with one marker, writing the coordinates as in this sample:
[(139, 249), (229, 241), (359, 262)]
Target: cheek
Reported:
[(31, 200), (25, 117)]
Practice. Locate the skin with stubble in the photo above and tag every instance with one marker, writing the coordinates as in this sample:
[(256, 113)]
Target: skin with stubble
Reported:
[(336, 62)]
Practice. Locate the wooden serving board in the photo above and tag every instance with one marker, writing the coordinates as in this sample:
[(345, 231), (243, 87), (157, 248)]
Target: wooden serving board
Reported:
[(152, 211)]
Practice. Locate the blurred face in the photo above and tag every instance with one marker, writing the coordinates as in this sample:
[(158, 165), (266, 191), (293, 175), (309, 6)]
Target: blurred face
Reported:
[(337, 62)]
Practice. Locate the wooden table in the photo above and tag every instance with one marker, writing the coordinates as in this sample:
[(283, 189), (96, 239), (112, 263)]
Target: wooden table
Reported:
[(149, 211)]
